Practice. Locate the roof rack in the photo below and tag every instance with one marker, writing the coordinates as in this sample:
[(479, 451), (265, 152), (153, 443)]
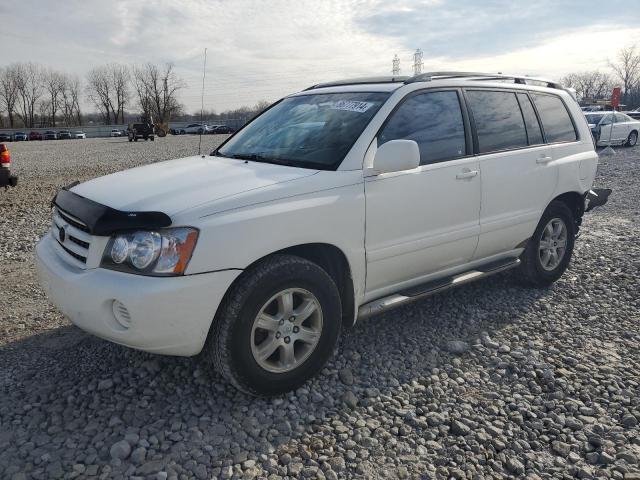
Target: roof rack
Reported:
[(363, 81), (520, 79)]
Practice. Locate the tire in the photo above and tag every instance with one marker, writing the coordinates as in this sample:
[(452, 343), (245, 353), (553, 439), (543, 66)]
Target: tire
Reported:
[(632, 139), (232, 344), (152, 138), (130, 139), (135, 139), (533, 270)]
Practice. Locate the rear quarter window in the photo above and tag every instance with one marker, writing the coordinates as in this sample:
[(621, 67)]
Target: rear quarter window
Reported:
[(555, 118)]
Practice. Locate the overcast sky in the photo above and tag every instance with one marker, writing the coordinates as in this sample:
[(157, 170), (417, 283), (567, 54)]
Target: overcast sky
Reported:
[(263, 50)]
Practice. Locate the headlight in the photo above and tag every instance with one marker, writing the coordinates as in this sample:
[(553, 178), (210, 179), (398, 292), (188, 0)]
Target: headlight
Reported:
[(162, 253)]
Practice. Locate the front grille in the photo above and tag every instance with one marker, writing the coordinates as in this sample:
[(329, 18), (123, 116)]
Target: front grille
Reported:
[(76, 223), (77, 241), (72, 236), (73, 254)]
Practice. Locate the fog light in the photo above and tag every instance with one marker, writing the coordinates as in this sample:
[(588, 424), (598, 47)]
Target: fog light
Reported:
[(121, 314)]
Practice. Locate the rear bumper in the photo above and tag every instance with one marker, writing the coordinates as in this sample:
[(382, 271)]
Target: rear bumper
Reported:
[(167, 315), (6, 179), (596, 197)]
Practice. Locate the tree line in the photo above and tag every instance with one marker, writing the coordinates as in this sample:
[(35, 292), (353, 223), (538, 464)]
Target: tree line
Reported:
[(35, 96), (623, 72)]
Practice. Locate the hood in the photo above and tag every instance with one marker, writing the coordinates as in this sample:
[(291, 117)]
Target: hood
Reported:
[(181, 184)]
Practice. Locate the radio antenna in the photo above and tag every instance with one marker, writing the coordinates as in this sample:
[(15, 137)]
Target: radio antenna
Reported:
[(204, 74)]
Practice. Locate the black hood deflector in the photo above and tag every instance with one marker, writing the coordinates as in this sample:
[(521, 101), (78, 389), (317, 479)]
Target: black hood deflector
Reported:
[(102, 220)]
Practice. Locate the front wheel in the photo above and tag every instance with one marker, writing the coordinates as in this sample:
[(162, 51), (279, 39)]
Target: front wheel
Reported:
[(277, 326), (632, 139), (549, 251)]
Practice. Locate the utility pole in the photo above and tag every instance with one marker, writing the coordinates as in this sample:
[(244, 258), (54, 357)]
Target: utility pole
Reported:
[(417, 62), (396, 65)]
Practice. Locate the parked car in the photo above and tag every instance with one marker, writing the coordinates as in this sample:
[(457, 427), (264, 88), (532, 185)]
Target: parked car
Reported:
[(20, 137), (221, 129), (625, 129), (140, 130), (115, 133), (50, 135), (5, 137), (196, 128), (259, 256), (79, 134), (635, 114), (64, 135), (6, 178), (33, 135)]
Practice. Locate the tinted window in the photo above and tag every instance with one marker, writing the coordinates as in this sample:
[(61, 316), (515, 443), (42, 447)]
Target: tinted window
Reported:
[(498, 120), (534, 133), (314, 130), (434, 121), (555, 119)]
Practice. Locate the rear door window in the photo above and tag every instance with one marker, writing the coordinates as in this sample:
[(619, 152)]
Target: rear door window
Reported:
[(498, 120), (434, 121), (556, 121), (534, 134)]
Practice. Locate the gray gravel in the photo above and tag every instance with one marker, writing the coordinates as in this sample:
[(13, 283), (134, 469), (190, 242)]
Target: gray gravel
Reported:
[(488, 381)]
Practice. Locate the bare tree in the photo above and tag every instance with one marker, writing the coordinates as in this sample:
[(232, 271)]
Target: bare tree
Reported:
[(54, 83), (592, 85), (70, 103), (157, 89), (9, 92), (119, 77), (29, 84), (627, 68), (99, 91)]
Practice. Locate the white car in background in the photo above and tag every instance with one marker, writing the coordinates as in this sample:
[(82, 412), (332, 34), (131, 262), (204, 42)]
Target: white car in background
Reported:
[(79, 134), (625, 129), (196, 128), (116, 133)]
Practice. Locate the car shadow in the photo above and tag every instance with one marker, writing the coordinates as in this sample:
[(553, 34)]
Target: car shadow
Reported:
[(65, 387)]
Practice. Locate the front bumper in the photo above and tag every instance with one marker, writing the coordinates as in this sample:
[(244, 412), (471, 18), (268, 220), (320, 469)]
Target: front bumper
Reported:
[(167, 315)]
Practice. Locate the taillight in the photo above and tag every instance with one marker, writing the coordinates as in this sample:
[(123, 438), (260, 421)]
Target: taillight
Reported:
[(5, 157)]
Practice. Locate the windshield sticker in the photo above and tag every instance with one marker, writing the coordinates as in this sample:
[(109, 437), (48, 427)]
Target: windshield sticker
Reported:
[(352, 106)]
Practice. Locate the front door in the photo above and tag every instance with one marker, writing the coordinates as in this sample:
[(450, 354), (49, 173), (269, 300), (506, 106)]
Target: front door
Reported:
[(424, 220)]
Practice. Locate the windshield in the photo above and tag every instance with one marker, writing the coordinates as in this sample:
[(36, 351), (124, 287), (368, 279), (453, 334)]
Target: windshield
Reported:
[(309, 131), (595, 118)]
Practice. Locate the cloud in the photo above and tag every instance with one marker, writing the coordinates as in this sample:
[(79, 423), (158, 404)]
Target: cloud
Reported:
[(265, 50)]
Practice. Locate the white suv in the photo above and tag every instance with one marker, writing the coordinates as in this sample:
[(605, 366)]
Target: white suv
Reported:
[(337, 202)]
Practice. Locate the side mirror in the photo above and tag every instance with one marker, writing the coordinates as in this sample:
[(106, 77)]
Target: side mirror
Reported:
[(396, 156)]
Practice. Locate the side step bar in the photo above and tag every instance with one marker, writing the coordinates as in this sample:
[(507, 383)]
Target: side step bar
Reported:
[(435, 286)]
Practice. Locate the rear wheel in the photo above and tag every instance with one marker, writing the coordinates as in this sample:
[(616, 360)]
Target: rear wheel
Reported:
[(549, 251), (632, 139), (277, 326)]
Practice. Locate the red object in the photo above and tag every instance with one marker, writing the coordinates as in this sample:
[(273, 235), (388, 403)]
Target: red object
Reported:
[(5, 157), (35, 135), (615, 97)]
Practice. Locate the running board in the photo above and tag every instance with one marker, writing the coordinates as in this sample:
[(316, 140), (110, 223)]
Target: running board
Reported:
[(435, 286)]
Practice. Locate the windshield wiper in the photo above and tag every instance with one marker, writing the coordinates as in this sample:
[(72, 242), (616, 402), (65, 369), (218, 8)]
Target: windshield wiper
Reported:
[(256, 157)]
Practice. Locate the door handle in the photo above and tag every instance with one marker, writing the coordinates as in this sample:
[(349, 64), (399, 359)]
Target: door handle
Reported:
[(467, 174), (545, 159)]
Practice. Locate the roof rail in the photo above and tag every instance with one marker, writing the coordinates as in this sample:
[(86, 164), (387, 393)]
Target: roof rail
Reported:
[(521, 79), (361, 81)]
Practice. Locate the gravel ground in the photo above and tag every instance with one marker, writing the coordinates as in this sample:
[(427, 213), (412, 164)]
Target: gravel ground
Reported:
[(487, 381)]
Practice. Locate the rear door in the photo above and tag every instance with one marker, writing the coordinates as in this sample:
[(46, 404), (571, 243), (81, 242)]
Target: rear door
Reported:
[(424, 220), (517, 168)]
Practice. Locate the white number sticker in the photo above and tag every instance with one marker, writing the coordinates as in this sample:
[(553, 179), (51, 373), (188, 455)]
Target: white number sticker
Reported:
[(352, 106)]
